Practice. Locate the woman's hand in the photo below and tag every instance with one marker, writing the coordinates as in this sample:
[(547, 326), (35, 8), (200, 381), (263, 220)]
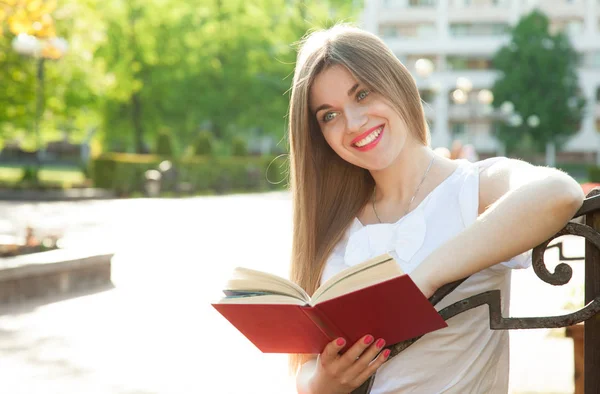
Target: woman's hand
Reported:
[(337, 373)]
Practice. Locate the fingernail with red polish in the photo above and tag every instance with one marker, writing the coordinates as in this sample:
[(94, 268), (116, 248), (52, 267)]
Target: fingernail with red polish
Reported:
[(369, 339), (380, 343), (386, 353), (340, 342)]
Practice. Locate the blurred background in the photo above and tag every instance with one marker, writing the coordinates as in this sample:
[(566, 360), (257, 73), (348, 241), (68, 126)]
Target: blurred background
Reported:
[(143, 156)]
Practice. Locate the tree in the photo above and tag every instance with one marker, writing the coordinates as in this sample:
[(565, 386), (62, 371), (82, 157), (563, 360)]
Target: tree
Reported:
[(182, 65), (135, 68), (539, 76), (67, 102)]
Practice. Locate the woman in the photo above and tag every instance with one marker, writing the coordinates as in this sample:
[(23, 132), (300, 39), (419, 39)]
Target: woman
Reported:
[(365, 181)]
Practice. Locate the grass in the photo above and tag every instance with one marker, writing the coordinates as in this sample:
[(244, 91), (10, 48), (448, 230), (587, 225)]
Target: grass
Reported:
[(64, 176)]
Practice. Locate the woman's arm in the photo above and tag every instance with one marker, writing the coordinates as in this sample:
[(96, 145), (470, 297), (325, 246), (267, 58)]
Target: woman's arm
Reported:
[(520, 207)]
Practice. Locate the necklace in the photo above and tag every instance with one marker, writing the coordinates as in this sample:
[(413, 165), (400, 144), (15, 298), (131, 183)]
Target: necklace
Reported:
[(413, 197)]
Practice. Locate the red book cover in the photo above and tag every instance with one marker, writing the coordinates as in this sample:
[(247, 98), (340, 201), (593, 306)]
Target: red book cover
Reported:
[(394, 310)]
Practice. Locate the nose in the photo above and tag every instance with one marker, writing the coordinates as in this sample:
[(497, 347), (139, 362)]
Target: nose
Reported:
[(356, 118)]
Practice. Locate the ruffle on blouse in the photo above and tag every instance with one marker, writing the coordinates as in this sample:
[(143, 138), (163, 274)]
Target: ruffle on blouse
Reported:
[(404, 237), (407, 236)]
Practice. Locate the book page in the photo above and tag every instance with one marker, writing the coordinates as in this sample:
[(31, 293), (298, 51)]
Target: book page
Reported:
[(246, 279), (370, 272), (262, 299)]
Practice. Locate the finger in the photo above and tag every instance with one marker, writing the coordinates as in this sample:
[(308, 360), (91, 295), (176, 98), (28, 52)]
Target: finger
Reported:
[(373, 367), (368, 356), (356, 350), (331, 351)]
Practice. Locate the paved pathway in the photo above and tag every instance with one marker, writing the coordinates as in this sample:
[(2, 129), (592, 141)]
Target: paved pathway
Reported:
[(155, 332)]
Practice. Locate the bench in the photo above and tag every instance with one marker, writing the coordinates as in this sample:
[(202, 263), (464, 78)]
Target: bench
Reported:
[(590, 313), (55, 272)]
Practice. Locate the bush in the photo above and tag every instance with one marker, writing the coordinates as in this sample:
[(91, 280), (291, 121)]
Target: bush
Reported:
[(594, 174), (164, 145), (124, 173), (277, 172), (239, 146), (203, 145), (31, 176), (579, 171)]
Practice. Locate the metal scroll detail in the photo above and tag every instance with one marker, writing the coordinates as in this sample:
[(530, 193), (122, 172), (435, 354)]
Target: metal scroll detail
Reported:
[(561, 275), (563, 272)]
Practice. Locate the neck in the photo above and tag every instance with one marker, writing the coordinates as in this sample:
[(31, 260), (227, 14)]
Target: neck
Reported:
[(398, 182)]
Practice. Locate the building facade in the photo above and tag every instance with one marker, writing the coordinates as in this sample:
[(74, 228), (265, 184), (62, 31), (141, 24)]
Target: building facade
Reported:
[(460, 37)]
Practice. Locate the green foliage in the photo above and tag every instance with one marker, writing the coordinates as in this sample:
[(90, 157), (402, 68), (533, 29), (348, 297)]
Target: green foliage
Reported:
[(239, 146), (135, 67), (30, 176), (164, 146), (594, 174), (278, 172), (47, 177), (579, 171), (538, 75), (71, 84), (203, 146), (124, 173)]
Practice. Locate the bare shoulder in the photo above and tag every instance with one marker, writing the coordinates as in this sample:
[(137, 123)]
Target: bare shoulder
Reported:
[(497, 176), (443, 168)]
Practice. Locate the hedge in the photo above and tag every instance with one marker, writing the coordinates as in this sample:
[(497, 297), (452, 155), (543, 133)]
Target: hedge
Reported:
[(124, 173)]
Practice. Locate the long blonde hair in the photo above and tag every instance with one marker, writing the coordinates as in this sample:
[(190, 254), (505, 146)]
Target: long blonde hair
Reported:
[(327, 191)]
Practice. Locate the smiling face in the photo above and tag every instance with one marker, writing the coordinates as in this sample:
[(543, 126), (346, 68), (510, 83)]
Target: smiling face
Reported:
[(359, 125)]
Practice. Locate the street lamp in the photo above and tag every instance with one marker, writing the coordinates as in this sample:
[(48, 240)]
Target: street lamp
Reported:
[(515, 119), (461, 94), (533, 121), (424, 67), (52, 48), (506, 111)]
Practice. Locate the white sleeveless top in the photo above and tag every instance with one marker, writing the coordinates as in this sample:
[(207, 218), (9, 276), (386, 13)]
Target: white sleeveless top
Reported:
[(465, 357)]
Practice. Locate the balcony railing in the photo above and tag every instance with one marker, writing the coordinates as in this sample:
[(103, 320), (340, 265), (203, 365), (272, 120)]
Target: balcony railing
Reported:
[(479, 3), (409, 3)]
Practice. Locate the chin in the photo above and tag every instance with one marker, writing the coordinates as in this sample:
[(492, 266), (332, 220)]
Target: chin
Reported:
[(378, 166)]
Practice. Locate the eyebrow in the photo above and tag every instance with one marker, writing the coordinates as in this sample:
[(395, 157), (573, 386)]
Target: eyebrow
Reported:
[(327, 106)]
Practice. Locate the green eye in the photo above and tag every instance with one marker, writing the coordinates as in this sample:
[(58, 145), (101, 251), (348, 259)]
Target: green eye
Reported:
[(329, 116), (362, 94)]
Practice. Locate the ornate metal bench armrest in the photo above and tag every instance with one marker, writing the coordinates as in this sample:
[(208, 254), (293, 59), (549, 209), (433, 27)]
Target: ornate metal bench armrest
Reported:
[(561, 275)]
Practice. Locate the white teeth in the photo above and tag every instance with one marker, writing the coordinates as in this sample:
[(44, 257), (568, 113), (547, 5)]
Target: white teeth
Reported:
[(370, 138)]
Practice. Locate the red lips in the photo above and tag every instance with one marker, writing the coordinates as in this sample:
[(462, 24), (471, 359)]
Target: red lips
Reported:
[(366, 133), (371, 144)]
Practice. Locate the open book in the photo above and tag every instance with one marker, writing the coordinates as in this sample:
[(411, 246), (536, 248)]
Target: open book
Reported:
[(374, 297)]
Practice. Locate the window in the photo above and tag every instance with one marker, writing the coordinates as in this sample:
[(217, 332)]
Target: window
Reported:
[(394, 3), (468, 63), (409, 3), (458, 130), (593, 59), (430, 126), (427, 95), (402, 58), (388, 31), (422, 3), (411, 61), (408, 31), (483, 2), (570, 26), (421, 30), (478, 29)]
